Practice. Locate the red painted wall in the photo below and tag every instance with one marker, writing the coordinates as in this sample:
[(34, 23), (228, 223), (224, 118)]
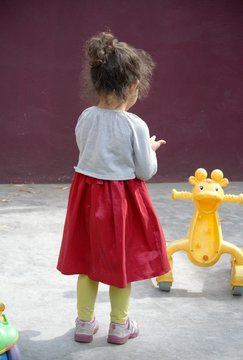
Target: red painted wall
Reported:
[(196, 96)]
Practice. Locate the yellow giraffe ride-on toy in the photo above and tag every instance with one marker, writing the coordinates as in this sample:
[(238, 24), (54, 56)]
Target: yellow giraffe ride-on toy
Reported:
[(204, 242)]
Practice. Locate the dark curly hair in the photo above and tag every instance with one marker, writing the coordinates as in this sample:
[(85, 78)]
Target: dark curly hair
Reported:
[(112, 66)]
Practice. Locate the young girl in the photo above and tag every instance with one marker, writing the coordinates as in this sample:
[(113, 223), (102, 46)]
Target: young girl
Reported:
[(112, 234)]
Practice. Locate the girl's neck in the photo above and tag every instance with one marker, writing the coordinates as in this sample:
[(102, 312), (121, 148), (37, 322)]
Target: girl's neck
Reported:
[(112, 104)]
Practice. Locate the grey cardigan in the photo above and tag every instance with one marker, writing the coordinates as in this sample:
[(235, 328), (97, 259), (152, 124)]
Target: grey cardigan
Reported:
[(114, 145)]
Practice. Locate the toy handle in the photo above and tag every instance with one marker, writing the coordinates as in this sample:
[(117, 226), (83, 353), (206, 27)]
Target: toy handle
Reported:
[(2, 308), (233, 198), (184, 195)]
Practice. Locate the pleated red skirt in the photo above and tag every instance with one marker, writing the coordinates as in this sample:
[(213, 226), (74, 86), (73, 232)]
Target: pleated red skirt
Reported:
[(111, 232)]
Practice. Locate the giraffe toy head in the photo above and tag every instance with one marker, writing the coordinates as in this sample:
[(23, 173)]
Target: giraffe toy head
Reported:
[(208, 193)]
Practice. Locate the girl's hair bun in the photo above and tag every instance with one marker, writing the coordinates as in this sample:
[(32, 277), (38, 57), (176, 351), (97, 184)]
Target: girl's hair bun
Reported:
[(113, 66), (100, 47)]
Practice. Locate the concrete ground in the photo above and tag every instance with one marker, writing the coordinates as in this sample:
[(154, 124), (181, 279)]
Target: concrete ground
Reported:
[(198, 319)]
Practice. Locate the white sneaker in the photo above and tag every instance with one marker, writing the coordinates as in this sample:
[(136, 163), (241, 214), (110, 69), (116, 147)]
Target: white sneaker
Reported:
[(85, 330), (120, 333)]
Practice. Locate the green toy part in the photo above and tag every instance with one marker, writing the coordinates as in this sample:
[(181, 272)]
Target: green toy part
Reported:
[(8, 334)]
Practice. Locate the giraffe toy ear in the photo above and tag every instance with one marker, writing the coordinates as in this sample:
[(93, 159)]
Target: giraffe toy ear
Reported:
[(192, 180), (224, 182), (218, 176)]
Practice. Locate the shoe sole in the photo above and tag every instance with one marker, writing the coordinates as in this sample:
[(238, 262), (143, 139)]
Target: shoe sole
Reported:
[(85, 338), (112, 339)]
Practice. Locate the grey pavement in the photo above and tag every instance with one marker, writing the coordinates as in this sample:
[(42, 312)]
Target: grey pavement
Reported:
[(198, 319)]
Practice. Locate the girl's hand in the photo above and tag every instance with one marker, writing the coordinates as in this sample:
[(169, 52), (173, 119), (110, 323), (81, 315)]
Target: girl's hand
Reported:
[(156, 144)]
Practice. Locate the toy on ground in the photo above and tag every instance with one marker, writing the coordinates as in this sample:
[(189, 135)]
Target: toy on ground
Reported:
[(8, 338), (204, 243)]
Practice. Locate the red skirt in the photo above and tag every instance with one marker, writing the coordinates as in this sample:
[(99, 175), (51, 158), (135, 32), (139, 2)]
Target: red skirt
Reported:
[(111, 232)]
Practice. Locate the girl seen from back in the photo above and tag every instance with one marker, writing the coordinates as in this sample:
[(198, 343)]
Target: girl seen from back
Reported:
[(112, 234)]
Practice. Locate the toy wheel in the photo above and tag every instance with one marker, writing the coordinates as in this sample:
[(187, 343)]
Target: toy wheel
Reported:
[(164, 285), (4, 357), (14, 353), (237, 290)]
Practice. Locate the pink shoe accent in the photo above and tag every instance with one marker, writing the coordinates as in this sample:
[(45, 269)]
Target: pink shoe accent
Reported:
[(112, 339), (85, 338), (120, 333), (85, 330)]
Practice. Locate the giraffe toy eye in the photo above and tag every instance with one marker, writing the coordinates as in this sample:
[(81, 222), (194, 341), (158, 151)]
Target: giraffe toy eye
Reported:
[(201, 187), (217, 189)]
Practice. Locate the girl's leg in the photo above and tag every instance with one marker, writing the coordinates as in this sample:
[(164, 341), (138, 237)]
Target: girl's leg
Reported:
[(119, 299), (121, 327), (86, 325), (86, 296)]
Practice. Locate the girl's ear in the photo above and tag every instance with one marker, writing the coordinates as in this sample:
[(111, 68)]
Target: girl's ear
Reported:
[(134, 86), (137, 83)]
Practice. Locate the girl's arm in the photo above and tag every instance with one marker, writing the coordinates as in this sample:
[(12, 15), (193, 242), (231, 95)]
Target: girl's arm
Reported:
[(144, 152), (156, 144)]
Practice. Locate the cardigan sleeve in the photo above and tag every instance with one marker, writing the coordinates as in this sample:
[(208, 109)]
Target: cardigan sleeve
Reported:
[(145, 159)]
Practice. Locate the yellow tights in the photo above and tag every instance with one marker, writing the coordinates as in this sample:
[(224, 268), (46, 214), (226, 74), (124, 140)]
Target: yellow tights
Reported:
[(86, 295)]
